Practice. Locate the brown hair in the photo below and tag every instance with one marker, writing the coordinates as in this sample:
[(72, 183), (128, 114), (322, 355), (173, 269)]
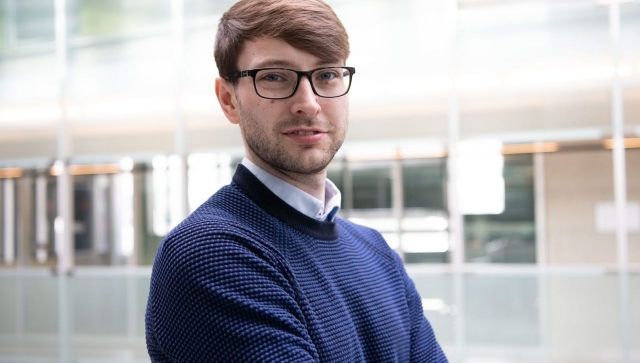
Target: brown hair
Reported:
[(309, 25)]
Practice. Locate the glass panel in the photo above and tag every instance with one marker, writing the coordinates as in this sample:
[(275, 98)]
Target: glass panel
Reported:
[(508, 237), (634, 315), (95, 234), (502, 311), (34, 20), (29, 89), (194, 9), (28, 325), (99, 17), (424, 184), (150, 240), (577, 332), (8, 301), (531, 69), (633, 198), (203, 178), (579, 189), (425, 236), (3, 25), (100, 306), (389, 35), (39, 319), (439, 306), (630, 76), (10, 221), (130, 80), (371, 185), (528, 317), (2, 221)]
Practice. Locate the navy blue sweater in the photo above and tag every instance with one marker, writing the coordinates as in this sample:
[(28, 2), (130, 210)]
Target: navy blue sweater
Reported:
[(247, 278)]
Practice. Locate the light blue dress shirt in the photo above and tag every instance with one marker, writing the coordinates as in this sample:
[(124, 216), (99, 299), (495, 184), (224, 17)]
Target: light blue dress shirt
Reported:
[(302, 201)]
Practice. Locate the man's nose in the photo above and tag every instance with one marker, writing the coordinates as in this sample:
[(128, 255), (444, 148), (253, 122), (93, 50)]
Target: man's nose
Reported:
[(305, 100)]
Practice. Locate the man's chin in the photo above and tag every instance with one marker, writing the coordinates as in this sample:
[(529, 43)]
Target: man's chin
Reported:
[(305, 164)]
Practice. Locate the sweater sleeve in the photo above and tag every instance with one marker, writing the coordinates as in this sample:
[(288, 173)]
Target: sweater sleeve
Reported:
[(222, 298), (424, 346)]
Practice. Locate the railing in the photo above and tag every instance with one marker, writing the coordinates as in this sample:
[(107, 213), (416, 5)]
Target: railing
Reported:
[(522, 315)]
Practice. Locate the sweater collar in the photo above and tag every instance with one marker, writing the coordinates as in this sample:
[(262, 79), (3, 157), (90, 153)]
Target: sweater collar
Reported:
[(272, 204), (297, 198)]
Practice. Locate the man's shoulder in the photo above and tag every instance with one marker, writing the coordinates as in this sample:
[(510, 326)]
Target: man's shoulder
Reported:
[(369, 237), (223, 219), (354, 229)]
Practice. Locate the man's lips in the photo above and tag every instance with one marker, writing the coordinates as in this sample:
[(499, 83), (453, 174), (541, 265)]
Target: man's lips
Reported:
[(303, 131), (305, 136)]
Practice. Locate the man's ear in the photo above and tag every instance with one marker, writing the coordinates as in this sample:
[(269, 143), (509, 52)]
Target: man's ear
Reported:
[(226, 96)]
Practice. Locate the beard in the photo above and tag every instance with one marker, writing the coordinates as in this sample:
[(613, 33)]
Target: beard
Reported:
[(264, 143)]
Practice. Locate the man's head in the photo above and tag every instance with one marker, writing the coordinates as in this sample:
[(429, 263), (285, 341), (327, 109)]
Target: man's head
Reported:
[(308, 25), (297, 133)]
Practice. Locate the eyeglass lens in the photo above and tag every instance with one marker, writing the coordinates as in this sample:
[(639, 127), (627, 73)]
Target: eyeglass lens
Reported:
[(281, 83)]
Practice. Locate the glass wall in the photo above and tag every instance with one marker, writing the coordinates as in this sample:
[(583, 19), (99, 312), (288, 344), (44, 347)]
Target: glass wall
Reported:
[(510, 236)]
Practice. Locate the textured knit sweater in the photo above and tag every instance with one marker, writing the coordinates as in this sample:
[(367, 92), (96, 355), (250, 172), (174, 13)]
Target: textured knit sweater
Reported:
[(247, 278)]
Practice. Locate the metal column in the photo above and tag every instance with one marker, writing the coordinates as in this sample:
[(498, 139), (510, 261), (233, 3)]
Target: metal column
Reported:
[(64, 219), (620, 183), (397, 200), (9, 223), (456, 225), (177, 19), (541, 253)]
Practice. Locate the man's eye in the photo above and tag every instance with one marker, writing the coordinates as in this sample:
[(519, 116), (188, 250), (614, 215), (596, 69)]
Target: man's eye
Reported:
[(327, 76), (272, 77)]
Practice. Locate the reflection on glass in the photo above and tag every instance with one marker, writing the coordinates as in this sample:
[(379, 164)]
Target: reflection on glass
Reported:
[(392, 240), (508, 237), (480, 182), (9, 204), (208, 172), (381, 224), (42, 227), (175, 170), (425, 242), (430, 223), (203, 178), (101, 189), (160, 200), (123, 193)]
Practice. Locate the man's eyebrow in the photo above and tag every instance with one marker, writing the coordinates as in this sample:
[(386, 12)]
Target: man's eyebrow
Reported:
[(268, 63), (274, 63)]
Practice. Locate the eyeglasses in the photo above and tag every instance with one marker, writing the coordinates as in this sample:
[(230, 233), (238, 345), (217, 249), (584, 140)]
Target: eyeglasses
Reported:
[(280, 83)]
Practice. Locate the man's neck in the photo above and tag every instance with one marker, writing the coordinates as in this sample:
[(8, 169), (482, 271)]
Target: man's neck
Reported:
[(313, 184)]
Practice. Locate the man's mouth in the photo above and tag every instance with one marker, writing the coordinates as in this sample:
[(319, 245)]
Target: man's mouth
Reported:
[(304, 132)]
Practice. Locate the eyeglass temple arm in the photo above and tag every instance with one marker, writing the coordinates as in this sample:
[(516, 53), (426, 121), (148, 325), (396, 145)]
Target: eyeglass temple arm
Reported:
[(236, 75)]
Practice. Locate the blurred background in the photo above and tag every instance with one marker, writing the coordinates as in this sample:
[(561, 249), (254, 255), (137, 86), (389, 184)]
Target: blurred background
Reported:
[(495, 143)]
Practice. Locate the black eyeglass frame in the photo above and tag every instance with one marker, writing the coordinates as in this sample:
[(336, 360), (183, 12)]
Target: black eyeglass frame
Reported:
[(252, 73)]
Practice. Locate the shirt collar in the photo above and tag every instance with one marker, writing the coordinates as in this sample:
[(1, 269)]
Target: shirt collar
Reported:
[(302, 201)]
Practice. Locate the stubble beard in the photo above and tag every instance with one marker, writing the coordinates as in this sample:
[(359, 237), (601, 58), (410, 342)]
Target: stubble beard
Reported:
[(256, 136)]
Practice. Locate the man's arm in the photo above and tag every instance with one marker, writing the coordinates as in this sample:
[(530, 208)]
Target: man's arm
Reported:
[(220, 298)]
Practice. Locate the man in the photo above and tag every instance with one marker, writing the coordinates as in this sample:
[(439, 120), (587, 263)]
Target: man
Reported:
[(264, 271)]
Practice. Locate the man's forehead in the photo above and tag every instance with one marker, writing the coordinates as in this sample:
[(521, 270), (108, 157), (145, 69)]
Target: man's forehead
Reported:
[(275, 52)]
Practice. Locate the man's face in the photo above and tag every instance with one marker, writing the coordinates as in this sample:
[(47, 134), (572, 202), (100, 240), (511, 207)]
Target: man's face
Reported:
[(300, 134)]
